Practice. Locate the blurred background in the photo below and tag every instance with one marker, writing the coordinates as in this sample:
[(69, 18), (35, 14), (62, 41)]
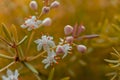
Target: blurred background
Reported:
[(100, 17)]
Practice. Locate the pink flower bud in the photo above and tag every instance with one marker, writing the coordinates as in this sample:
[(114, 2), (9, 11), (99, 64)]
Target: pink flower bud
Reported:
[(59, 49), (45, 10), (68, 30), (81, 48), (80, 29), (69, 39), (47, 22), (54, 4), (33, 5)]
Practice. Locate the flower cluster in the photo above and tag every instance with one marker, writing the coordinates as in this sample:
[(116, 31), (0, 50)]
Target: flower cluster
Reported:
[(72, 33), (32, 23), (65, 45), (46, 45), (49, 45)]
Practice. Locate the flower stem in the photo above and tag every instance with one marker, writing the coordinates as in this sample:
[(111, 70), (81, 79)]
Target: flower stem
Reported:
[(35, 57), (7, 66)]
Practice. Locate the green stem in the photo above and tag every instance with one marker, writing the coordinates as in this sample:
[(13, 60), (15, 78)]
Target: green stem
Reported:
[(35, 57), (6, 57)]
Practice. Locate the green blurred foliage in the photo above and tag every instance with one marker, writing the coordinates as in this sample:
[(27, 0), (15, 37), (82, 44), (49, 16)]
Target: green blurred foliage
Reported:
[(98, 16)]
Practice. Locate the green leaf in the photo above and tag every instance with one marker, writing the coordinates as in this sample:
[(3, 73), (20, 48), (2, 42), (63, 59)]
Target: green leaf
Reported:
[(66, 78), (14, 33), (29, 41), (30, 67), (111, 61), (51, 74), (6, 31)]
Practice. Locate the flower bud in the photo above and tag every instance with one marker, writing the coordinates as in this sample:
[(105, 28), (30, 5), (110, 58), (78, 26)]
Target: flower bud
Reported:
[(68, 30), (45, 10), (33, 5), (81, 48), (81, 29), (54, 4), (47, 22), (69, 39), (59, 49)]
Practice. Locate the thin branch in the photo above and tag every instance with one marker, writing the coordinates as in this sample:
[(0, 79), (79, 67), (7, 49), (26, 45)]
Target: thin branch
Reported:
[(5, 41), (6, 57), (35, 57), (7, 66)]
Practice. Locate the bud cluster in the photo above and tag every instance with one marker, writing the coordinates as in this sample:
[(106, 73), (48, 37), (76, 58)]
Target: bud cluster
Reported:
[(72, 33)]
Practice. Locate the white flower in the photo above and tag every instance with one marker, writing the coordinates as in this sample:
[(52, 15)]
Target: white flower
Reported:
[(50, 59), (64, 49), (46, 42), (31, 23), (11, 75)]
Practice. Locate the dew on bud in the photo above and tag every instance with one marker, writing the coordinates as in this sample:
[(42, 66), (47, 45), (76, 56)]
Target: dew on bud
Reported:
[(47, 22), (68, 30), (81, 48), (33, 5), (54, 4)]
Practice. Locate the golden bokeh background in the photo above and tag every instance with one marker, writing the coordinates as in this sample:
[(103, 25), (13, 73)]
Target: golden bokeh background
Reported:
[(98, 16)]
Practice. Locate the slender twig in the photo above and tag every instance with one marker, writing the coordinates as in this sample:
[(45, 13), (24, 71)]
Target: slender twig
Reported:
[(7, 66), (35, 57), (6, 57), (5, 41), (22, 40), (37, 76)]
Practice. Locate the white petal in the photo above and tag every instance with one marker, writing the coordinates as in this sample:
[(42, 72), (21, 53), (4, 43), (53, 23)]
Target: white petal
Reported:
[(51, 43), (45, 61), (33, 17), (16, 73), (38, 41), (39, 47), (65, 54), (23, 26), (47, 65), (9, 72), (4, 78)]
